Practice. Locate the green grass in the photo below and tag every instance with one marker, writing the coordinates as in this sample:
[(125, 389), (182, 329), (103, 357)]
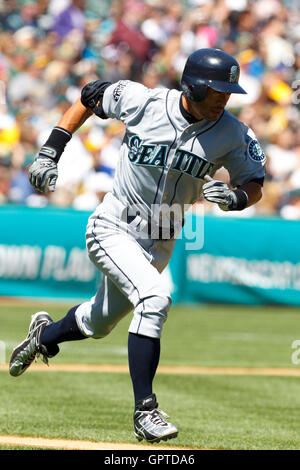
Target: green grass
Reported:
[(212, 411), (219, 412)]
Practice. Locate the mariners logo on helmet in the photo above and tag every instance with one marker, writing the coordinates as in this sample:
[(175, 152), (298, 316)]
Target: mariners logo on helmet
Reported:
[(234, 74)]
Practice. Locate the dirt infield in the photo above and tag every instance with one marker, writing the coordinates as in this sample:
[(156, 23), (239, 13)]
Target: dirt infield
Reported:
[(67, 444), (197, 370)]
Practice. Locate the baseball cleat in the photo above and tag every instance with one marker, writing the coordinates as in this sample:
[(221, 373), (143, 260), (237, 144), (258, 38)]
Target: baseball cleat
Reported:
[(150, 422), (29, 350)]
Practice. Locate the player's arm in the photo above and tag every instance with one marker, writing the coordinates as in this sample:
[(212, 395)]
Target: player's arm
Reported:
[(43, 172), (232, 199), (89, 103), (253, 191), (74, 117)]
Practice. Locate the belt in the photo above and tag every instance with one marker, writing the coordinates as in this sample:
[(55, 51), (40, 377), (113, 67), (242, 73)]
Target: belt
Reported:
[(154, 231)]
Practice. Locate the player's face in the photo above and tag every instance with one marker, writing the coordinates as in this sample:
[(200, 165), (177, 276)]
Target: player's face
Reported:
[(210, 108)]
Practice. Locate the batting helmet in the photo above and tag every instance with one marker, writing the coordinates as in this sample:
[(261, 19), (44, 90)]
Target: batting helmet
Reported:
[(210, 68)]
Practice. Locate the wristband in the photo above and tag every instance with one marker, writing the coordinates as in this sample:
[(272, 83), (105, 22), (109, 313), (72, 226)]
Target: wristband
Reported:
[(55, 144), (239, 200)]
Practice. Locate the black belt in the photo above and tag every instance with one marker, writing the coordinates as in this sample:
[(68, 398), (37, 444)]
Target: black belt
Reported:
[(156, 232)]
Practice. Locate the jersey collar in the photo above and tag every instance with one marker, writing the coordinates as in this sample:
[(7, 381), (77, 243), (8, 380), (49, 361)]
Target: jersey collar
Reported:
[(187, 116)]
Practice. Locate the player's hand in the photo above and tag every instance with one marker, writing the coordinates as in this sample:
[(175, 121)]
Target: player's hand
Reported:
[(43, 174), (220, 193)]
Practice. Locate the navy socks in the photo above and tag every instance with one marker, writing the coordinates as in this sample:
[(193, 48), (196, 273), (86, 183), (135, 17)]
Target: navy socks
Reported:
[(65, 329), (143, 357), (143, 352)]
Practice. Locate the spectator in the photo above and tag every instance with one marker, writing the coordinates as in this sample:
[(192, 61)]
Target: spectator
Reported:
[(49, 49), (70, 19)]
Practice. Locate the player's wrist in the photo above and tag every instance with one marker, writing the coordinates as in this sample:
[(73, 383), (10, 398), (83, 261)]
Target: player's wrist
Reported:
[(55, 145), (239, 200)]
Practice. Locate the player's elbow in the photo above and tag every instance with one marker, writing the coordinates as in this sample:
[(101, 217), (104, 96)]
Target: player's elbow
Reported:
[(257, 195), (254, 192)]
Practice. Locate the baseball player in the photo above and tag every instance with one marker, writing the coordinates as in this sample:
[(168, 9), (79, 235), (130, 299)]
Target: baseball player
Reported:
[(173, 145)]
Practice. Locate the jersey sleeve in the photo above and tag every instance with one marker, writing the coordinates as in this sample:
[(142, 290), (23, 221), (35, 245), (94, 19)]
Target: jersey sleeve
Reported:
[(123, 100), (246, 161)]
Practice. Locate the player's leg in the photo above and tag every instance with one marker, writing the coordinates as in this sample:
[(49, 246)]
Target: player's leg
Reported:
[(141, 335), (125, 265), (97, 318), (25, 353), (94, 318), (149, 421), (140, 282), (44, 335), (43, 338)]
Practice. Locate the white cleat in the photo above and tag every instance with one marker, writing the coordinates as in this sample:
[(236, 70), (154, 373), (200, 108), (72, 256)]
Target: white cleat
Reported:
[(150, 422), (26, 352)]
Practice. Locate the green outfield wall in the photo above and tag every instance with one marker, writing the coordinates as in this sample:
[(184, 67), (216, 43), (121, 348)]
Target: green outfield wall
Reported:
[(230, 260)]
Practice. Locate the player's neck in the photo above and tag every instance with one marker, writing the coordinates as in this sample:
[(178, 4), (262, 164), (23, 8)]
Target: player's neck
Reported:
[(192, 114)]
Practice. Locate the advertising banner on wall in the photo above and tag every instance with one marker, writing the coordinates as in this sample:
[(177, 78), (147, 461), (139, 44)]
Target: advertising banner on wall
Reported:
[(43, 254), (216, 260), (245, 261)]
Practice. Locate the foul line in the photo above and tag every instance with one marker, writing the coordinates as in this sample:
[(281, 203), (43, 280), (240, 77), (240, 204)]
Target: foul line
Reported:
[(196, 370)]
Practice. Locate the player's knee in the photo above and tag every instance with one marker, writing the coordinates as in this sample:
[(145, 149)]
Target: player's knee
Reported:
[(165, 302), (102, 325), (102, 330), (92, 321), (159, 304), (159, 296), (150, 316)]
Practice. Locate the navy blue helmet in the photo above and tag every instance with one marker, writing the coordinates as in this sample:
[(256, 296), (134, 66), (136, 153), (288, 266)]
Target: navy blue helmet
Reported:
[(210, 68)]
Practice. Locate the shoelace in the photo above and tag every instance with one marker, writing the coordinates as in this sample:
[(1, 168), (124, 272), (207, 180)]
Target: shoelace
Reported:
[(44, 358), (34, 357), (31, 358), (157, 416)]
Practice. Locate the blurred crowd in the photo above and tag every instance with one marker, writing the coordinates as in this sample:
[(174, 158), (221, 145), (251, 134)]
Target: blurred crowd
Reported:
[(49, 49)]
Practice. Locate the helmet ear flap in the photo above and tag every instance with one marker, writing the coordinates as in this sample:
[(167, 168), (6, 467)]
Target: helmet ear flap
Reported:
[(194, 93)]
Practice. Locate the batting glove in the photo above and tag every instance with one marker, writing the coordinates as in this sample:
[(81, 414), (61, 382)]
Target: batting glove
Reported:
[(227, 199), (43, 174)]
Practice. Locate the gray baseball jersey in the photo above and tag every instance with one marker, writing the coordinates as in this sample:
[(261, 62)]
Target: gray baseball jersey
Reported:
[(163, 160)]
